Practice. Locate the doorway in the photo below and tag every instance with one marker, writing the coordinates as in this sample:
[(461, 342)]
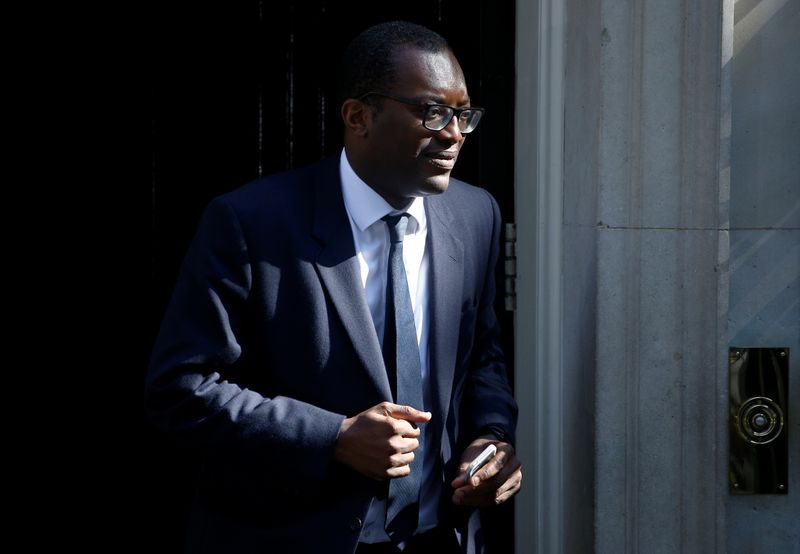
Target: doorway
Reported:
[(244, 89)]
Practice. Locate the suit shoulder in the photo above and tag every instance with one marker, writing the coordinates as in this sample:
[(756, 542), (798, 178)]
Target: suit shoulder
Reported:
[(467, 197), (280, 195), (272, 190)]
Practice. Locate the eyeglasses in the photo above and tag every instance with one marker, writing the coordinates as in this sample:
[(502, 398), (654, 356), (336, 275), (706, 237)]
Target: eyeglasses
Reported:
[(438, 116)]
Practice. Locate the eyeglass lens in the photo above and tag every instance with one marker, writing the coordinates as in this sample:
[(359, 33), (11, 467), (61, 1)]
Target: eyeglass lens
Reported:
[(438, 117)]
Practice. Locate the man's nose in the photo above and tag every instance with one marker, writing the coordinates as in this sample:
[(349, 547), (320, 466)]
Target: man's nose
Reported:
[(451, 132)]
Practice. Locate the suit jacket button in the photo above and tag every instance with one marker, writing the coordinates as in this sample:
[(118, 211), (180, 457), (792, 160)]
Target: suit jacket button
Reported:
[(355, 523)]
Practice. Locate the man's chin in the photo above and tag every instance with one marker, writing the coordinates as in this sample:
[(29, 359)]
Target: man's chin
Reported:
[(436, 184)]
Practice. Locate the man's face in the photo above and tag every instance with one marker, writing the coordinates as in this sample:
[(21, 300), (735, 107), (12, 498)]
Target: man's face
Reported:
[(403, 158)]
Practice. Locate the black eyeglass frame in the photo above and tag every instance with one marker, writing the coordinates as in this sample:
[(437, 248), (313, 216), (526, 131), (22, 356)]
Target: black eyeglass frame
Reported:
[(426, 106)]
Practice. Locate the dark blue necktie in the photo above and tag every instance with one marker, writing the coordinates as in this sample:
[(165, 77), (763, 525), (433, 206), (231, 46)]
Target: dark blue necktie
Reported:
[(401, 354)]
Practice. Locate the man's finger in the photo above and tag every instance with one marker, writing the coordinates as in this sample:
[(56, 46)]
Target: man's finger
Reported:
[(404, 428), (482, 494), (458, 482), (511, 483), (399, 460), (403, 445), (400, 471), (492, 468), (407, 413), (509, 488)]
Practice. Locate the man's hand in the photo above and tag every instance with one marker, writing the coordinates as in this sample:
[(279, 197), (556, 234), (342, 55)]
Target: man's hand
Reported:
[(494, 483), (380, 442)]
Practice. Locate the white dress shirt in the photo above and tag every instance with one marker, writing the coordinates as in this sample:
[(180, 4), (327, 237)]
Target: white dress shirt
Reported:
[(365, 208)]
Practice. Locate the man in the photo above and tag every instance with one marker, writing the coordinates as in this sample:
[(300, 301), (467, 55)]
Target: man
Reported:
[(331, 341)]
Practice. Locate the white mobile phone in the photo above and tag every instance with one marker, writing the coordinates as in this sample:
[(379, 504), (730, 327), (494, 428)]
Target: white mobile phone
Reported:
[(487, 454)]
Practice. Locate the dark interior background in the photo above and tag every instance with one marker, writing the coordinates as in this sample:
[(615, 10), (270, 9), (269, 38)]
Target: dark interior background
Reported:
[(242, 89)]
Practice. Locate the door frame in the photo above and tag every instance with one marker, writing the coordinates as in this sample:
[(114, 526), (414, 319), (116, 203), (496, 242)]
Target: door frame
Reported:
[(538, 169)]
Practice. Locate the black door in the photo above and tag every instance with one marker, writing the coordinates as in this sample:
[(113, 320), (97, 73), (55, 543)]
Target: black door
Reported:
[(243, 89)]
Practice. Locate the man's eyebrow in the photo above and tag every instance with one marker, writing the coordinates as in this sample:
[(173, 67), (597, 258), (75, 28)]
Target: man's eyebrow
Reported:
[(441, 100)]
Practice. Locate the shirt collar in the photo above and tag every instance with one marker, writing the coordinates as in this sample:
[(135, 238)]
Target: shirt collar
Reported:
[(365, 206)]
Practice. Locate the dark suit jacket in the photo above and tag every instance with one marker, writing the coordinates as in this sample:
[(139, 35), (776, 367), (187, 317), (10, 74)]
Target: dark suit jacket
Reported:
[(268, 344)]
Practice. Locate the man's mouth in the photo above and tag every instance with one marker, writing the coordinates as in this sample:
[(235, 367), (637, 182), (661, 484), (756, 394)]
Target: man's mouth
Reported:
[(444, 159)]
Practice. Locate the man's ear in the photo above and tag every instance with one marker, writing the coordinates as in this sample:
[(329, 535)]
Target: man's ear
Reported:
[(357, 117)]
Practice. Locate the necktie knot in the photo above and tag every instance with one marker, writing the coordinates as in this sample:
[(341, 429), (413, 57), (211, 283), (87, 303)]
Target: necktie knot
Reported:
[(397, 226)]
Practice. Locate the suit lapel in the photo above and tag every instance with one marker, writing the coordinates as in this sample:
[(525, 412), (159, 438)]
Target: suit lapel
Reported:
[(447, 279), (338, 268)]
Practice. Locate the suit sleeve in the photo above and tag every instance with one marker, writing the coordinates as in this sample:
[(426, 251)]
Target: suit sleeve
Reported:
[(488, 406), (191, 390)]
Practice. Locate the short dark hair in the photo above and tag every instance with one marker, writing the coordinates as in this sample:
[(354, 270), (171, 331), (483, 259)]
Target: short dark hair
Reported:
[(367, 63)]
